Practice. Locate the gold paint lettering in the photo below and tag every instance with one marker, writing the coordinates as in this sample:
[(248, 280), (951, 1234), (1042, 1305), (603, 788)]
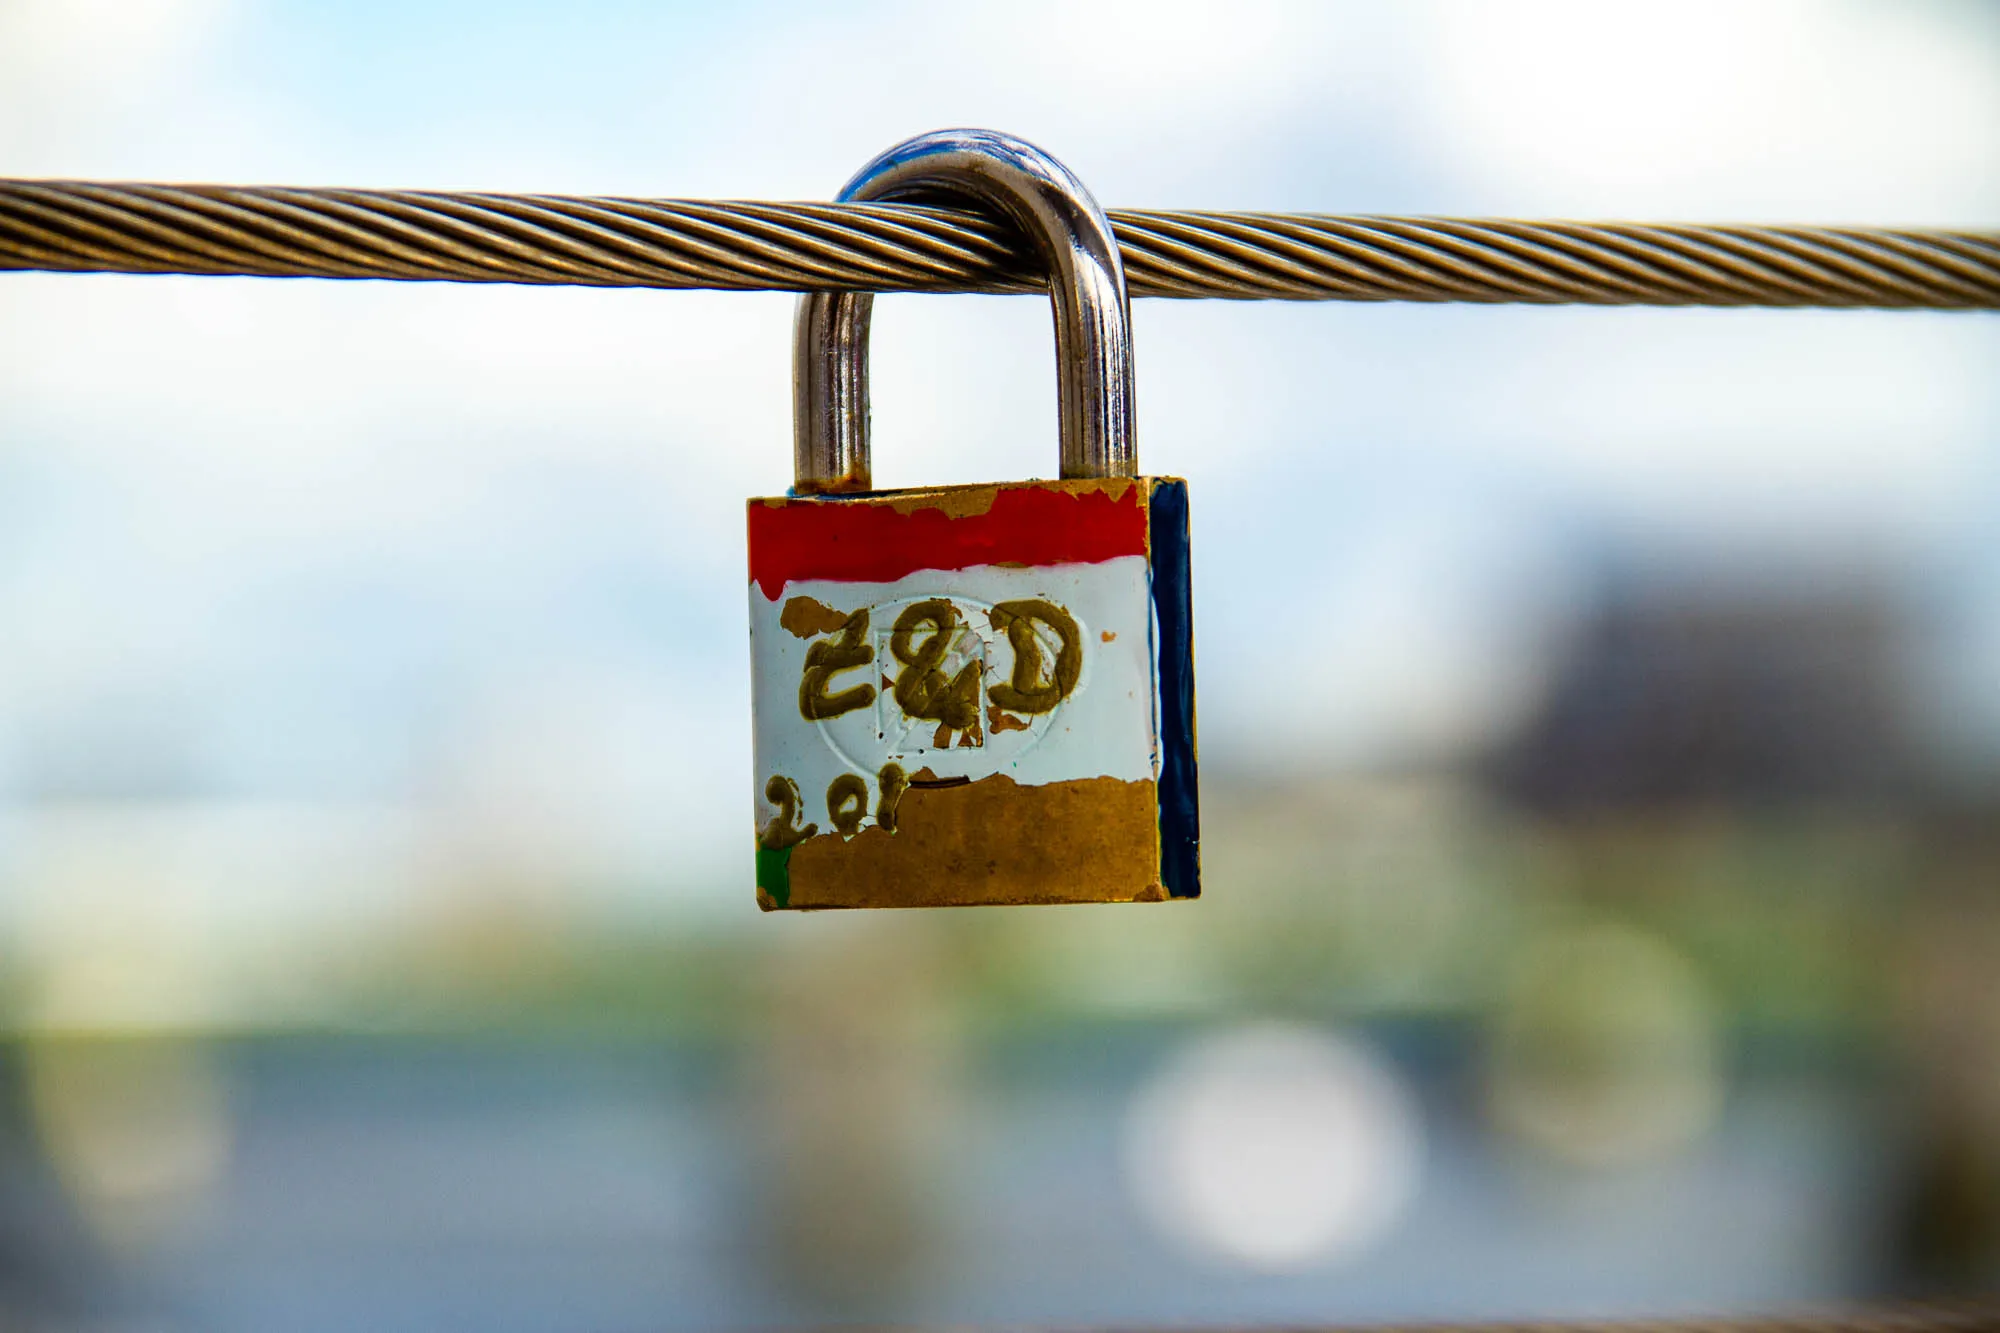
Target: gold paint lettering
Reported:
[(828, 657), (1029, 691), (782, 829), (846, 802), (921, 689), (894, 782)]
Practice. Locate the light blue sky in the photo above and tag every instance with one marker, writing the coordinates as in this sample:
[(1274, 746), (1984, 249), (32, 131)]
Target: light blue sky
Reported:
[(477, 552)]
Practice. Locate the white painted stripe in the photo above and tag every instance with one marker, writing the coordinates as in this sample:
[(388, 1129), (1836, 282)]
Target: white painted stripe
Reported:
[(1105, 728)]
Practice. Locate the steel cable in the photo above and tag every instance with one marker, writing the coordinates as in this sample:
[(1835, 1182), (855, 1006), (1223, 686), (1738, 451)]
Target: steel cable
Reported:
[(77, 226)]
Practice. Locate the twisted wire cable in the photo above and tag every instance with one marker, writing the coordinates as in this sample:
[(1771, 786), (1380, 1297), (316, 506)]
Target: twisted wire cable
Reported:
[(78, 226)]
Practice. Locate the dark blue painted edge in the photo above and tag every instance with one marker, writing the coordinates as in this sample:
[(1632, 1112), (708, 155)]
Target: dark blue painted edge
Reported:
[(1173, 615)]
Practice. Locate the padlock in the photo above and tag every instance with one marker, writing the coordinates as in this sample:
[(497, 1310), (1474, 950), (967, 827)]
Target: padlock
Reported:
[(975, 694)]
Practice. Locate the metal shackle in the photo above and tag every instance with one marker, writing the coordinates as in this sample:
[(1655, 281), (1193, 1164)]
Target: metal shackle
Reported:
[(1086, 287)]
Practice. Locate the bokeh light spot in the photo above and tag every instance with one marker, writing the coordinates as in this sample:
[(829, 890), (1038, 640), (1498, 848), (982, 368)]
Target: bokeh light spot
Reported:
[(1274, 1147)]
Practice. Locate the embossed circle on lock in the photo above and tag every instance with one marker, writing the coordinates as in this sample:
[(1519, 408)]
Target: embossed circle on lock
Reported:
[(992, 739), (1093, 319)]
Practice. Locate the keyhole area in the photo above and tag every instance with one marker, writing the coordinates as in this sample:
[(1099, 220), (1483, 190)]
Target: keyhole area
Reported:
[(963, 389)]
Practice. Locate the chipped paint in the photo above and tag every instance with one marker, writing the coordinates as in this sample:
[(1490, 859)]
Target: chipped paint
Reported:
[(879, 540), (1012, 751), (999, 719), (1086, 840), (808, 619)]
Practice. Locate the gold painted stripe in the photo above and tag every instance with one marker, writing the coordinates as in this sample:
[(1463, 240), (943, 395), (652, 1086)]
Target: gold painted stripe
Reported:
[(1087, 840)]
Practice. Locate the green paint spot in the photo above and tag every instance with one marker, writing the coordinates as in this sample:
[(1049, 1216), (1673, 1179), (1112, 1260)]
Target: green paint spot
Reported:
[(774, 873)]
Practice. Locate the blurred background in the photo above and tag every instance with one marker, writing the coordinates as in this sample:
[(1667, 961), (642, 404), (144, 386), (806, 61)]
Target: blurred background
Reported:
[(1610, 925)]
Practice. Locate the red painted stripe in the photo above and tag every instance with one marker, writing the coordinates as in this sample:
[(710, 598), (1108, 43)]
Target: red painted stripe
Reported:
[(869, 540)]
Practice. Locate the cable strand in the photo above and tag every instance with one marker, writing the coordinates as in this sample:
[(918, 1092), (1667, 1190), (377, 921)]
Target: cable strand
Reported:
[(83, 226)]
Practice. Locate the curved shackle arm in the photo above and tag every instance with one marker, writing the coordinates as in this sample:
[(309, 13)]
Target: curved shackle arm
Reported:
[(1086, 286)]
